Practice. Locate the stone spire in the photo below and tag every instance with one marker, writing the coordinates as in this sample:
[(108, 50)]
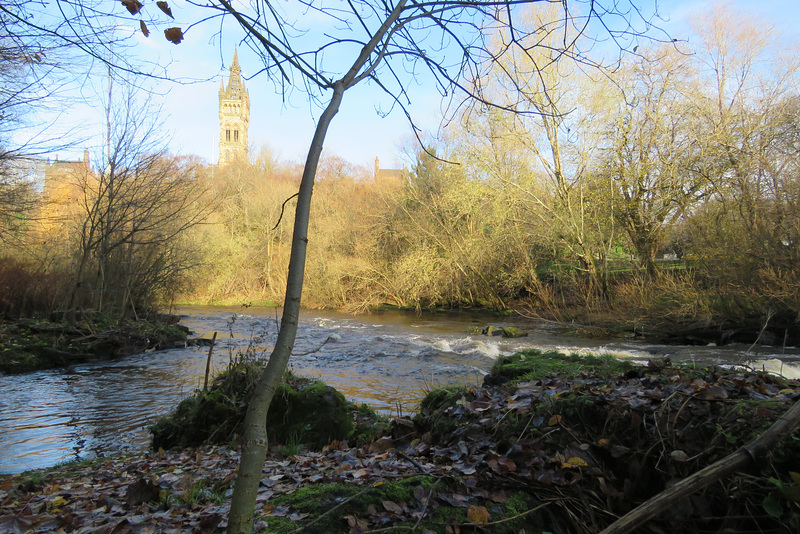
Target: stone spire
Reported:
[(234, 116)]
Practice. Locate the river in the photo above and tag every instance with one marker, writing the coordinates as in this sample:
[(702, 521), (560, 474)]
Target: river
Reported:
[(387, 360)]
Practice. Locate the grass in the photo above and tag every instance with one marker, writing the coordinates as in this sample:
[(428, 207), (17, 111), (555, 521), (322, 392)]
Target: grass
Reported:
[(535, 364), (330, 506)]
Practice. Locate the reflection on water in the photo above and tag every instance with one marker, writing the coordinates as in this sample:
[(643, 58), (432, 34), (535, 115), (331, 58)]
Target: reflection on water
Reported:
[(386, 360)]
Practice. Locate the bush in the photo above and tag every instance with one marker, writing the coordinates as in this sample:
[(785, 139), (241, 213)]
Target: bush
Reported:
[(302, 411), (26, 291)]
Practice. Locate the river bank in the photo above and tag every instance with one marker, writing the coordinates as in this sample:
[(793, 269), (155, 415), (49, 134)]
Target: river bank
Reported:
[(28, 344), (565, 444)]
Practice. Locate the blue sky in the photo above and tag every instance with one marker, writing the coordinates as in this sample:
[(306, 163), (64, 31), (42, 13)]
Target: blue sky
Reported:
[(358, 133)]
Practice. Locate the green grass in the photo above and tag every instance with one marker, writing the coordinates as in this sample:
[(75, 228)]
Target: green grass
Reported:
[(534, 364)]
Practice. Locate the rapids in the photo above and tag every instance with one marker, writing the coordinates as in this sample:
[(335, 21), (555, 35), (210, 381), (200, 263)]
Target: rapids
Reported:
[(387, 360)]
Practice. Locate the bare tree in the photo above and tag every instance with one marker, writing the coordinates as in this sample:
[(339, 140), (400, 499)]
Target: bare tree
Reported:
[(133, 210), (25, 67), (654, 160)]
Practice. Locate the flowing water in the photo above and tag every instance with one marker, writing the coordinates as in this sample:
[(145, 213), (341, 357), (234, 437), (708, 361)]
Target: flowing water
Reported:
[(387, 360)]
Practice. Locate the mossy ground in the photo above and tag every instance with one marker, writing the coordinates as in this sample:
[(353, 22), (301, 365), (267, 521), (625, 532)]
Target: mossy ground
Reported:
[(634, 431), (32, 344), (536, 364), (547, 454), (413, 503), (303, 412)]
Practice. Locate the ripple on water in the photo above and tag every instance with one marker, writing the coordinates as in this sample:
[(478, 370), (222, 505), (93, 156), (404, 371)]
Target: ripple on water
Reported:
[(387, 360)]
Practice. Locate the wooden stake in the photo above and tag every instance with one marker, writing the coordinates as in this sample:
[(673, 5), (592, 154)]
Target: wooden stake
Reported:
[(208, 361)]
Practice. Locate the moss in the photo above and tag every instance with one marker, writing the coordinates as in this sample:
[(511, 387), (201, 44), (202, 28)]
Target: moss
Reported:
[(32, 344), (535, 364), (351, 500), (310, 412), (368, 425), (302, 411), (359, 500), (434, 413)]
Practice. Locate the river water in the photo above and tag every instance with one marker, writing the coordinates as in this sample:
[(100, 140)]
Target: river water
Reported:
[(387, 360)]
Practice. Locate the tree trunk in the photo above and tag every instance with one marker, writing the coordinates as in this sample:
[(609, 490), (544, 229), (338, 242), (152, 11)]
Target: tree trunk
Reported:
[(783, 427), (254, 446)]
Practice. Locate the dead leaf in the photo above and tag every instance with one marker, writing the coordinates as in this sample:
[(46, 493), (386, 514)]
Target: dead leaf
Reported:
[(679, 456), (141, 491), (174, 35), (382, 445), (392, 507), (556, 419), (356, 522), (143, 26), (163, 6), (133, 6), (14, 524), (478, 515), (575, 462), (618, 451)]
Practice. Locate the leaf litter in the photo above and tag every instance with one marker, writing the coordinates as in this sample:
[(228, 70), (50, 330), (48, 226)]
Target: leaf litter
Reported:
[(582, 450)]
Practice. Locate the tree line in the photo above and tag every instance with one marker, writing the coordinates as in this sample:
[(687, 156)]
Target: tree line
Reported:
[(667, 189)]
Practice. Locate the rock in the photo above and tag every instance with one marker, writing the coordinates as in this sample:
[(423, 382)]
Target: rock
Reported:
[(510, 331), (492, 331)]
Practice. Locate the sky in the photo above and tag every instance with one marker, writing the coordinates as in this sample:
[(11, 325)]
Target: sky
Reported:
[(358, 133)]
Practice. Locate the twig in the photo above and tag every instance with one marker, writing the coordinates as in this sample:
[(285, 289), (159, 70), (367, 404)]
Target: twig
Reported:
[(347, 500), (770, 314), (283, 207), (784, 426), (506, 519), (313, 350), (413, 461), (424, 509)]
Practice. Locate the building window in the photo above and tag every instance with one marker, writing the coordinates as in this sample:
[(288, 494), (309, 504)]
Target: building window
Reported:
[(236, 135), (227, 135)]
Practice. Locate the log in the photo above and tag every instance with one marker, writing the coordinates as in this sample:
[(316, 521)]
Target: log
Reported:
[(785, 425)]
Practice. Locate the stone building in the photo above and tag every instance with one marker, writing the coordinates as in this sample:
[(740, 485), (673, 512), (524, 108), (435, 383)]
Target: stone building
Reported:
[(388, 174), (66, 183), (234, 116)]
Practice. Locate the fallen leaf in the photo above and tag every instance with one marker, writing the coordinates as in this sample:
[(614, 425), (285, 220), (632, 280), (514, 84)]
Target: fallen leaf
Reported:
[(392, 507), (556, 419), (679, 456), (478, 515), (575, 462), (14, 524)]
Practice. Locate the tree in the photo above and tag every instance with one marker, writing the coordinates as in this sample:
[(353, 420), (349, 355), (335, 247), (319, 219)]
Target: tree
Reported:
[(388, 44), (547, 149), (653, 159), (745, 236), (28, 76), (394, 37), (133, 210)]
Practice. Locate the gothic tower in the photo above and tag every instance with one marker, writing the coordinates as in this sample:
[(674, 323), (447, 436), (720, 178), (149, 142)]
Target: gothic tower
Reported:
[(234, 116)]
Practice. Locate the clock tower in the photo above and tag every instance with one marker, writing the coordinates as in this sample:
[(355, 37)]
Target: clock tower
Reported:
[(234, 116)]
